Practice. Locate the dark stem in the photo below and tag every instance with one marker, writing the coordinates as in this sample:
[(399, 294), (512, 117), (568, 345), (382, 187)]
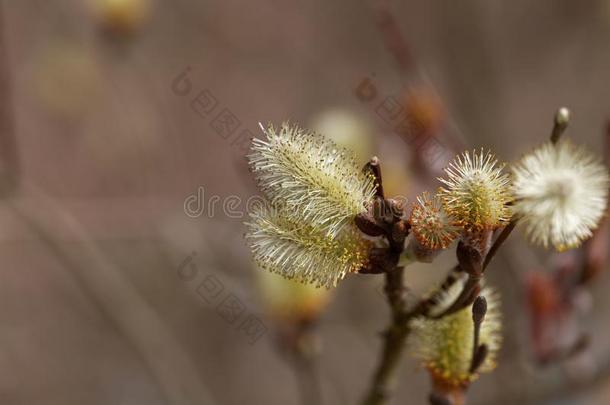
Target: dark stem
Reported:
[(385, 260), (424, 306), (393, 340), (395, 336), (471, 290), (499, 241), (395, 231), (470, 262), (479, 309)]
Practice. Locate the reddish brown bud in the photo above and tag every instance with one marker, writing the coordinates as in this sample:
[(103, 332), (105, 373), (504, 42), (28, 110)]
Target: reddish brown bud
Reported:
[(367, 225)]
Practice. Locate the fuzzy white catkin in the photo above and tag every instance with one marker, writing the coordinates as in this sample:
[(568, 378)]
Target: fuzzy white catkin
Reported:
[(561, 192), (310, 178)]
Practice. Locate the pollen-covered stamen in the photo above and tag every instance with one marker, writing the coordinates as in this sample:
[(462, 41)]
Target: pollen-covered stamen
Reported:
[(476, 191), (430, 225)]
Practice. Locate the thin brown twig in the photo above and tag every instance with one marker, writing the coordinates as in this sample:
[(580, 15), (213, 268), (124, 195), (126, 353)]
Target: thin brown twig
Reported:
[(394, 338), (499, 241), (425, 305)]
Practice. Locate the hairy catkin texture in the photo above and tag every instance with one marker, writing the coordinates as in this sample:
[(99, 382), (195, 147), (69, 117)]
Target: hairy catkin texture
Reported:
[(430, 225), (310, 178), (445, 345), (561, 192), (476, 191), (304, 252)]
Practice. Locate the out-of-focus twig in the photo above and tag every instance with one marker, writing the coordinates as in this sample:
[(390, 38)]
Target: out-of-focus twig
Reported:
[(298, 344), (106, 285), (595, 250), (392, 37), (425, 111), (9, 157)]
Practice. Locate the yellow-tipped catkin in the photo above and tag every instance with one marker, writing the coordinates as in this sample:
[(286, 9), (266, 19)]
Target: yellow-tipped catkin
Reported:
[(310, 177), (445, 346), (302, 251), (476, 191)]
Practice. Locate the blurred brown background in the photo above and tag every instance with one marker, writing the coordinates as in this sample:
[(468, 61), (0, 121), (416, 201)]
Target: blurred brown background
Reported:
[(104, 150)]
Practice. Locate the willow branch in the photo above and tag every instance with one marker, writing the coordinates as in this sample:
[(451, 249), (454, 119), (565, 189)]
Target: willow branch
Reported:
[(386, 218), (508, 229), (393, 341)]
